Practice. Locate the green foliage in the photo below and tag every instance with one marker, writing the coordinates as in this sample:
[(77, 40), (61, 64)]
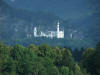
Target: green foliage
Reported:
[(90, 60), (88, 53), (40, 60), (7, 66), (58, 56), (39, 69), (67, 59), (53, 71), (71, 73), (44, 50), (87, 59), (34, 48), (96, 60), (77, 70), (64, 70)]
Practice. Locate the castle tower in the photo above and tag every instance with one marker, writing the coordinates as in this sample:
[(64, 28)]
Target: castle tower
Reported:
[(60, 34), (35, 32), (58, 24), (58, 27)]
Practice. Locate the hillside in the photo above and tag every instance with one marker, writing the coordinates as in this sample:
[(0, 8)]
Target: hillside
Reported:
[(16, 24)]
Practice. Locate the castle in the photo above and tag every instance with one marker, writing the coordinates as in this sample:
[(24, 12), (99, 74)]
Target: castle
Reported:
[(50, 34)]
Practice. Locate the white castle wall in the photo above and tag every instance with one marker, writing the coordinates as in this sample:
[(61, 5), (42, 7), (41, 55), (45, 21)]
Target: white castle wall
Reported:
[(50, 34)]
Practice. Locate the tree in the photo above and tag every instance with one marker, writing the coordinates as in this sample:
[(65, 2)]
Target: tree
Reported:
[(39, 69), (34, 48), (76, 54), (45, 50), (71, 73), (67, 59), (77, 70), (58, 56), (7, 66), (44, 60), (96, 60), (53, 71), (24, 58), (87, 53), (64, 70), (88, 59)]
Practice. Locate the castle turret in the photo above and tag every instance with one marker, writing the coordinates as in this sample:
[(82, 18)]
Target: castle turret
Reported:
[(60, 34), (58, 29), (35, 31)]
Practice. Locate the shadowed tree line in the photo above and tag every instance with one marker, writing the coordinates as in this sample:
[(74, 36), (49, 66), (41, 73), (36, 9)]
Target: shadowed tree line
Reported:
[(46, 60)]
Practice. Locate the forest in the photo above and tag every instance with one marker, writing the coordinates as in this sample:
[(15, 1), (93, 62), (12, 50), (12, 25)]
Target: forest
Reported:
[(48, 60)]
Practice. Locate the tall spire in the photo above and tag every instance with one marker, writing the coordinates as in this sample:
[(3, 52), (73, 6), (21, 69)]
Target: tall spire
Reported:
[(35, 31), (58, 26), (58, 22), (58, 29)]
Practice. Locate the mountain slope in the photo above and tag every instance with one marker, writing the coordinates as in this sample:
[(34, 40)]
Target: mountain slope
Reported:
[(16, 24)]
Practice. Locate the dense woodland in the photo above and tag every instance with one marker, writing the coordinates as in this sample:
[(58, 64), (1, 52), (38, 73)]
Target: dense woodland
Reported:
[(47, 60)]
